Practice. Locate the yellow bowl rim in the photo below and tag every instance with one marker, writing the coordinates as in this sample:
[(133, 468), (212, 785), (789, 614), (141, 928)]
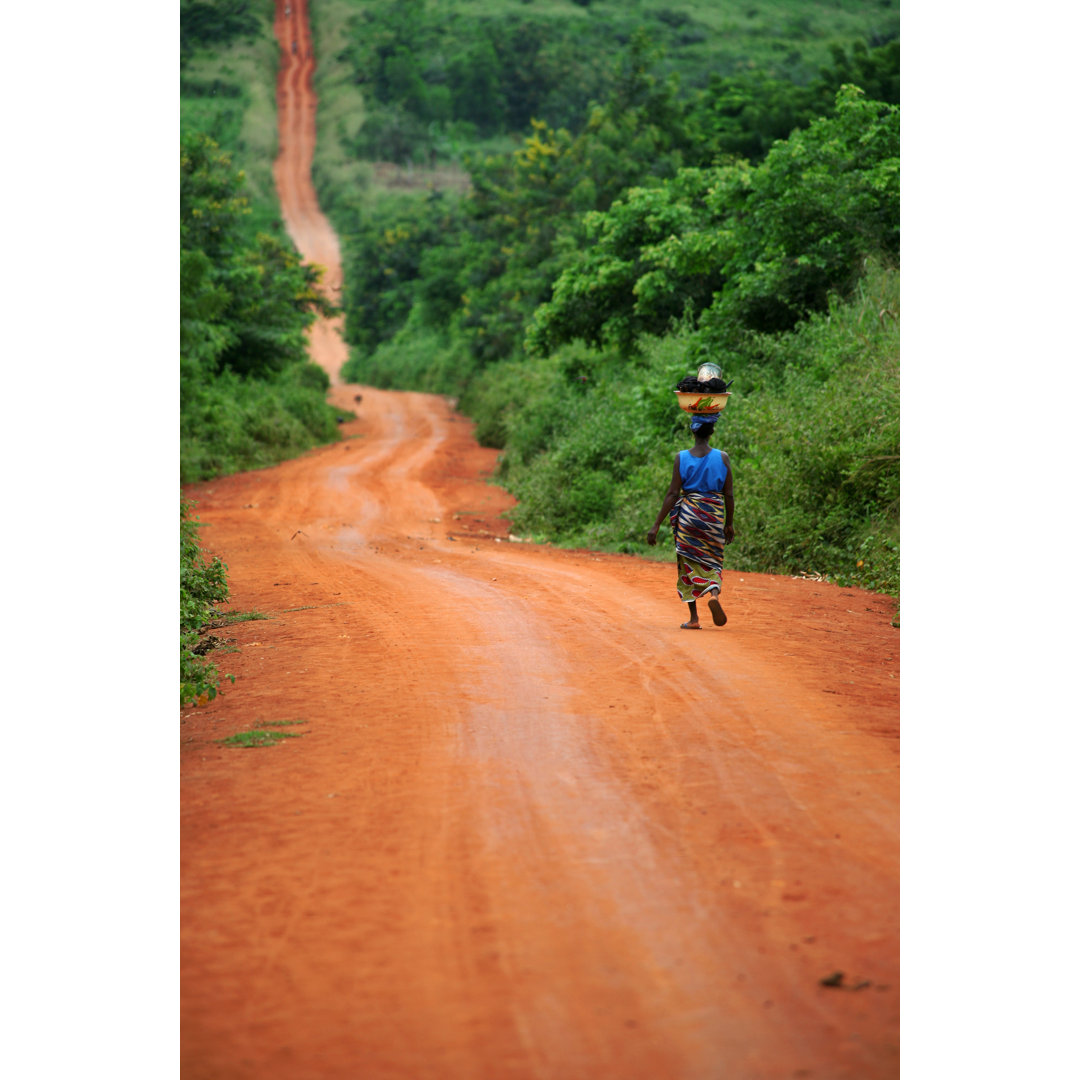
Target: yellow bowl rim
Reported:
[(700, 394)]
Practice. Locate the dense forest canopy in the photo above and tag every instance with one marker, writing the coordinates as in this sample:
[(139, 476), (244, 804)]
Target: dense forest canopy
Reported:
[(435, 77)]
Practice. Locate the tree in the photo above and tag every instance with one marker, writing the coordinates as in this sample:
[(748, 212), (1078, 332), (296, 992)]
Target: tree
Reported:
[(476, 87), (736, 248), (656, 256), (245, 301), (819, 203), (404, 83), (212, 205), (248, 395)]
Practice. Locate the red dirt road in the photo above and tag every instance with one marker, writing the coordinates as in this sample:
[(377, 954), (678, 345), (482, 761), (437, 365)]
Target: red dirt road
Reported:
[(531, 828)]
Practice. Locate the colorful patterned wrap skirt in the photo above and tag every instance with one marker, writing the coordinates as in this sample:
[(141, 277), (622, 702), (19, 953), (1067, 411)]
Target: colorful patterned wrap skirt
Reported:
[(697, 523)]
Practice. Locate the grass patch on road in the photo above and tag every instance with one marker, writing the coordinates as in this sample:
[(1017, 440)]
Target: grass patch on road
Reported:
[(267, 735)]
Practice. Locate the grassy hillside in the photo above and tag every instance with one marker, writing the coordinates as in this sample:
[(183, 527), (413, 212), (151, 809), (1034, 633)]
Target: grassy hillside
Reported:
[(228, 91), (553, 58)]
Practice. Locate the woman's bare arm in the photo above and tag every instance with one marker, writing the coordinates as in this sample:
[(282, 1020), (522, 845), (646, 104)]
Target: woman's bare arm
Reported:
[(729, 503), (669, 501)]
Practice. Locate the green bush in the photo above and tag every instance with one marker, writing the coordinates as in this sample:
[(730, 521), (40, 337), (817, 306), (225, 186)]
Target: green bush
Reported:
[(249, 396), (202, 585), (232, 423), (818, 453)]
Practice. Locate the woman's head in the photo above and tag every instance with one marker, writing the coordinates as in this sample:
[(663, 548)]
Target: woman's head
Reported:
[(703, 426)]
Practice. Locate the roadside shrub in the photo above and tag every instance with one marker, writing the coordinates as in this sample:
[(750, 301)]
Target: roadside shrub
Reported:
[(817, 454), (249, 396), (202, 585), (233, 423), (420, 359), (814, 443)]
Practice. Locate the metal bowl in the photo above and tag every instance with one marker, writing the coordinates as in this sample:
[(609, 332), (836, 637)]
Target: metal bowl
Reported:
[(700, 403), (707, 372)]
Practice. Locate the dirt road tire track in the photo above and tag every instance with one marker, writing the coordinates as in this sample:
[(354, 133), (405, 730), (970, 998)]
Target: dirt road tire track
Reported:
[(531, 828)]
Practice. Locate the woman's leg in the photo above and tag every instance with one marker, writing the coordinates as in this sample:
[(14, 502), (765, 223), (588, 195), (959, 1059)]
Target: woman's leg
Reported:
[(692, 623)]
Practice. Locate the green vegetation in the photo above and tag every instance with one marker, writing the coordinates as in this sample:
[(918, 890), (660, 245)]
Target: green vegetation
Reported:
[(248, 395), (746, 248), (437, 77), (590, 438), (204, 24), (228, 81), (264, 736), (721, 184), (202, 585)]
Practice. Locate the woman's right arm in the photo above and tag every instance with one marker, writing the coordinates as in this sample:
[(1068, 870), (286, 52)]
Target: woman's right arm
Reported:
[(729, 504), (669, 501)]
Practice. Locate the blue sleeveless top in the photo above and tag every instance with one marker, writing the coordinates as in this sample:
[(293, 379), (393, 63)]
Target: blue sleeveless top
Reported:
[(706, 473)]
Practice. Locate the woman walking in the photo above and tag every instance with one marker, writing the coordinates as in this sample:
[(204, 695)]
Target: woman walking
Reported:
[(701, 506)]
